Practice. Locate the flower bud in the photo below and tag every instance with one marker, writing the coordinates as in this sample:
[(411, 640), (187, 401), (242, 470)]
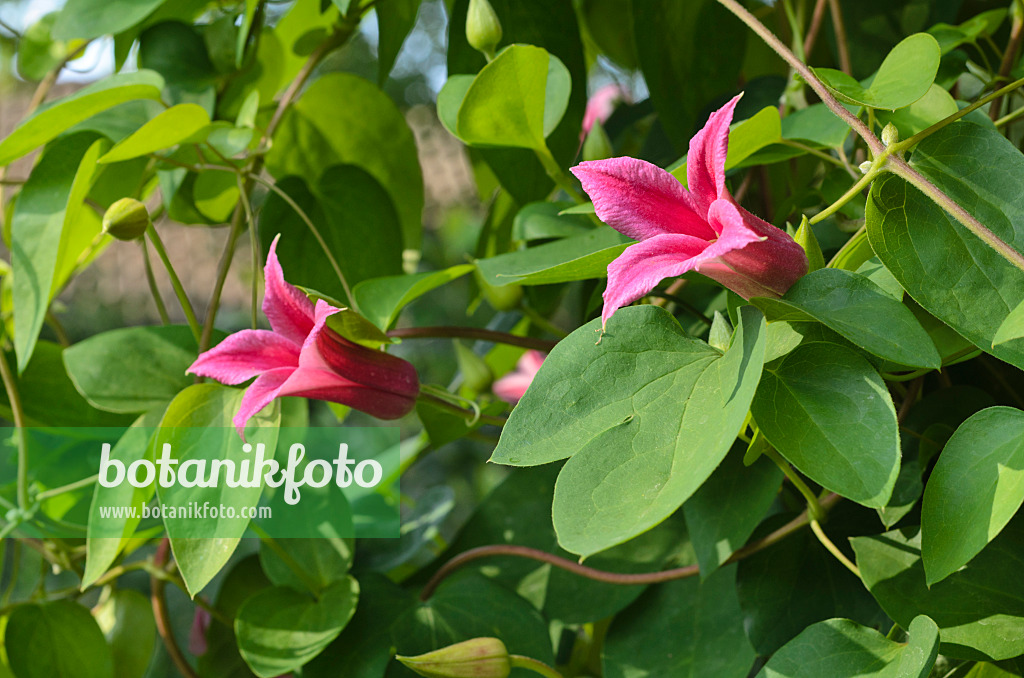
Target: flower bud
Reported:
[(890, 135), (865, 166), (126, 219), (483, 30), (476, 658)]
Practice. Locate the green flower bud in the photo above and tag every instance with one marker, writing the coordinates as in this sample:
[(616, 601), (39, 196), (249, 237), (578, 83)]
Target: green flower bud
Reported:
[(476, 658), (865, 166), (890, 135), (126, 219), (483, 30)]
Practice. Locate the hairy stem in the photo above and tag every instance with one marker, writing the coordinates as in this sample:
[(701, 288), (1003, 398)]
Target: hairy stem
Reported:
[(480, 334), (613, 577), (163, 616), (1009, 57)]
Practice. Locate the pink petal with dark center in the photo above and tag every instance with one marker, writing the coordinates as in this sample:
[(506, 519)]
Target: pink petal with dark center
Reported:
[(640, 200), (642, 266), (289, 311), (246, 354), (705, 162)]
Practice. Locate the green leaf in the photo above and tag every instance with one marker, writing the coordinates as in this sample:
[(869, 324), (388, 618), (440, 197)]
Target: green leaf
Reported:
[(382, 299), (1012, 326), (197, 425), (649, 424), (794, 583), (904, 77), (215, 195), (466, 606), (45, 215), (679, 48), (59, 639), (979, 609), (826, 410), (686, 627), (450, 98), (545, 220), (150, 364), (280, 629), (816, 124), (178, 124), (723, 513), (861, 311), (368, 131), (64, 113), (934, 106), (90, 19), (126, 619), (242, 581), (934, 258), (516, 100), (840, 648), (364, 648), (395, 18), (580, 257), (354, 215), (322, 561), (976, 487), (106, 536)]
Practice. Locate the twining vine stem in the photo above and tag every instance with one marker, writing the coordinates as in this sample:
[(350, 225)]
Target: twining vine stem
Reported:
[(161, 613), (614, 577), (886, 159)]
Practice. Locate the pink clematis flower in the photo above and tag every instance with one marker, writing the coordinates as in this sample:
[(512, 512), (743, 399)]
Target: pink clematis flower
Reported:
[(600, 107), (701, 229), (303, 357), (197, 634), (513, 385)]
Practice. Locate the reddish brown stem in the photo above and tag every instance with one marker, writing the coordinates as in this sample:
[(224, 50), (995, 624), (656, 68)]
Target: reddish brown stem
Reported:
[(612, 577), (1009, 59), (163, 617), (812, 33), (840, 29)]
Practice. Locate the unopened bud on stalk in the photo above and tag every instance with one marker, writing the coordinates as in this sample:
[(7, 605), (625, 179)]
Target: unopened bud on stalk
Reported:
[(126, 219), (890, 135), (476, 658), (483, 30)]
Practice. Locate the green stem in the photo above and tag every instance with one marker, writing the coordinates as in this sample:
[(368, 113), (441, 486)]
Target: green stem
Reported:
[(471, 416), (179, 290), (530, 664), (14, 398), (814, 509), (226, 257), (818, 154), (70, 487), (153, 288), (557, 174), (542, 322), (1010, 117), (832, 548), (254, 244), (795, 28), (852, 193), (901, 146)]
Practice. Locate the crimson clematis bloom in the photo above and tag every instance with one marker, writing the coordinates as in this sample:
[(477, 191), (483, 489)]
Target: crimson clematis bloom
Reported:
[(513, 385), (701, 229), (303, 357)]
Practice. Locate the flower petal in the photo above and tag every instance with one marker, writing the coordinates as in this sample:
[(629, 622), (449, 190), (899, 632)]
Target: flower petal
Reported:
[(246, 354), (643, 265), (641, 200), (512, 387), (705, 163), (260, 394), (320, 384), (289, 311), (601, 105), (752, 258)]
